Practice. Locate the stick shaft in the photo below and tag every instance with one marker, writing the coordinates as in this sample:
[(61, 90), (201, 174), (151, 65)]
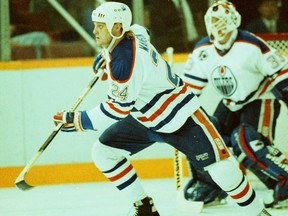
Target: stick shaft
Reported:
[(20, 180), (177, 159)]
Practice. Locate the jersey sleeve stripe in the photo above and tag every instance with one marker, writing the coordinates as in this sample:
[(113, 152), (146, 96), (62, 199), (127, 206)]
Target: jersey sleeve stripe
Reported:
[(173, 112), (269, 83), (154, 101), (85, 121), (108, 114), (164, 106), (117, 110), (126, 104)]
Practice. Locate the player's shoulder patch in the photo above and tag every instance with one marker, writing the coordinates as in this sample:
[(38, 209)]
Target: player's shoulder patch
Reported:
[(248, 37), (122, 61)]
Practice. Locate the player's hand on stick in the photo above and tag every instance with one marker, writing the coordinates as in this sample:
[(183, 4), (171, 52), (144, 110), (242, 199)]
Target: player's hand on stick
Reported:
[(100, 63), (70, 120)]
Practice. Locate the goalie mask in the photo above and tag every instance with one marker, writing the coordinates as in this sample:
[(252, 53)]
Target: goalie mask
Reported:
[(111, 13), (220, 19)]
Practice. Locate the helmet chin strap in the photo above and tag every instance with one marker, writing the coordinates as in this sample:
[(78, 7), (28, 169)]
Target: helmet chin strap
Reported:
[(114, 38), (228, 44), (111, 43)]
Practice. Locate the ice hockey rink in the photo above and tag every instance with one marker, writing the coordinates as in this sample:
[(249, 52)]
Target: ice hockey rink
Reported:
[(101, 199)]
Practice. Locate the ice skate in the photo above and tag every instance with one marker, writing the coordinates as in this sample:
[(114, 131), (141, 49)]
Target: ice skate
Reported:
[(144, 207)]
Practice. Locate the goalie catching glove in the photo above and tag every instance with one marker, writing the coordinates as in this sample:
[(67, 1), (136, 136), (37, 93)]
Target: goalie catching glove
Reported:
[(71, 121)]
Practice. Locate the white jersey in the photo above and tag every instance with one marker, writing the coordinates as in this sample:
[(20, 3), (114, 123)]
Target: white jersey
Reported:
[(245, 73), (142, 84)]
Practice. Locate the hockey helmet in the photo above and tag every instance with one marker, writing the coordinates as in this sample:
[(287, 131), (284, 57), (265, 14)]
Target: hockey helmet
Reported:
[(227, 19), (111, 13)]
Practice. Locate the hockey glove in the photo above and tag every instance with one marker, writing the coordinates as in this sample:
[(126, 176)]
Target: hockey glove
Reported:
[(100, 63), (71, 121)]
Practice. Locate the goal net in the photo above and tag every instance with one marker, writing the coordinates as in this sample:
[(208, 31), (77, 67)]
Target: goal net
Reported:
[(278, 41)]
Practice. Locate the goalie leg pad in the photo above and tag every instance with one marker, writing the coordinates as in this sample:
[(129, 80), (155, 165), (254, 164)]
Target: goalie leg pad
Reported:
[(256, 153), (281, 193)]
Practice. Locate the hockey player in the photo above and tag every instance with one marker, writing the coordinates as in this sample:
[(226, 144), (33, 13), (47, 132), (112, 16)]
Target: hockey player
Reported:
[(250, 77), (147, 103)]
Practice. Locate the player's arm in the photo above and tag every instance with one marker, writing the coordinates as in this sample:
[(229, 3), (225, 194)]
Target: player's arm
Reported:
[(275, 66), (280, 81), (121, 99), (193, 75), (280, 90)]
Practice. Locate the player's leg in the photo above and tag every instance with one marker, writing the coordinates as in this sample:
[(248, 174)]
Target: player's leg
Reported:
[(199, 140), (110, 156), (201, 187)]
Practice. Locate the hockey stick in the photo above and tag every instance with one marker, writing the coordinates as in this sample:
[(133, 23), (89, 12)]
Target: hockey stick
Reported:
[(181, 202), (177, 159), (20, 181)]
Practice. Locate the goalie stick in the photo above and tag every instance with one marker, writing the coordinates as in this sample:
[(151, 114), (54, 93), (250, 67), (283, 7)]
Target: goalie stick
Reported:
[(20, 181), (181, 202)]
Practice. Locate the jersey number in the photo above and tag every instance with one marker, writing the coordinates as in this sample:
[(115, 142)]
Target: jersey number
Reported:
[(120, 93), (276, 59), (172, 78)]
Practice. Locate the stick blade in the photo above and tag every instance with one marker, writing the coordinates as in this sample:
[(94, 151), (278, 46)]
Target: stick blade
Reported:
[(23, 185)]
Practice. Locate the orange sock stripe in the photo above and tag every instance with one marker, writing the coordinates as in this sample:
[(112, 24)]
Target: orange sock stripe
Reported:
[(120, 175), (242, 193)]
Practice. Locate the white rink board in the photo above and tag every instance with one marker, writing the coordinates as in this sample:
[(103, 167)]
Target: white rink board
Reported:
[(30, 98)]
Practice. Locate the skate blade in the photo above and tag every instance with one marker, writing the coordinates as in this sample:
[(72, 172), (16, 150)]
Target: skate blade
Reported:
[(216, 203)]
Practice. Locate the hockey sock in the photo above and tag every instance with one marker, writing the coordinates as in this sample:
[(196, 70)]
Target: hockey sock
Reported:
[(115, 166), (229, 177), (124, 177)]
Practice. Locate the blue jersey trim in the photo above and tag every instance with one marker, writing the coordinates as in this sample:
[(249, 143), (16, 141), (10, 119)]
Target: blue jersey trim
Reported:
[(196, 78), (122, 63), (202, 42), (85, 121), (245, 36)]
